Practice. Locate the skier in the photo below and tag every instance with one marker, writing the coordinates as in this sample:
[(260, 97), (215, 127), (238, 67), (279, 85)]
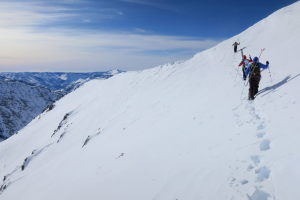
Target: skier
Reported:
[(235, 44), (253, 70), (245, 63)]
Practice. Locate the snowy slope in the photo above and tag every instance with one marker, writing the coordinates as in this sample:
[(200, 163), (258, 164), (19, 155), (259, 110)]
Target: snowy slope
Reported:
[(183, 131)]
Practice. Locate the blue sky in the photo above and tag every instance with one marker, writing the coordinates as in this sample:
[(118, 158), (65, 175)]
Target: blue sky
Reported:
[(97, 35)]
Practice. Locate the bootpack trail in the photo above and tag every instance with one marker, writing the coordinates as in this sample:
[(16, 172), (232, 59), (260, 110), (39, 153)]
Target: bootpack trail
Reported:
[(177, 131)]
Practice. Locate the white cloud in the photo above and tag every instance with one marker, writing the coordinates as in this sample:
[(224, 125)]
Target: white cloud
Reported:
[(23, 48), (29, 13), (86, 51)]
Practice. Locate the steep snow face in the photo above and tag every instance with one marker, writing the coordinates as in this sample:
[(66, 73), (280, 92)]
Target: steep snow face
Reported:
[(181, 131), (19, 103)]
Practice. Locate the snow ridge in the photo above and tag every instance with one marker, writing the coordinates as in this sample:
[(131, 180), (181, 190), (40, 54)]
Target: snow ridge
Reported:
[(180, 131)]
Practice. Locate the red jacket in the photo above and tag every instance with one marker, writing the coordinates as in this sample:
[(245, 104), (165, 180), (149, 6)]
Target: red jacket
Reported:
[(245, 61)]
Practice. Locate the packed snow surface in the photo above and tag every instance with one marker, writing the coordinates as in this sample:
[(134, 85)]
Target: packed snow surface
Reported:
[(175, 132)]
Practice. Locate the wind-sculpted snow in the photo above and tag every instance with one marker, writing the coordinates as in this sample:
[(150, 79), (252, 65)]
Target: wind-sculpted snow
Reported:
[(13, 176), (61, 124), (91, 137), (182, 131)]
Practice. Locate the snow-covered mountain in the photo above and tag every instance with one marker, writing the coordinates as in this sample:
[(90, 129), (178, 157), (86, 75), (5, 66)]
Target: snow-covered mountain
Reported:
[(63, 81), (20, 102), (183, 131), (24, 95)]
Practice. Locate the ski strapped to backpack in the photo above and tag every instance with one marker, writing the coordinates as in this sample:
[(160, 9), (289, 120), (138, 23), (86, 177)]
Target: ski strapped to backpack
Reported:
[(248, 77), (242, 53), (261, 51)]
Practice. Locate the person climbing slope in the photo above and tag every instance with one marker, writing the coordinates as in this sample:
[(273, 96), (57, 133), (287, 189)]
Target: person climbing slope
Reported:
[(235, 44), (245, 62), (253, 70)]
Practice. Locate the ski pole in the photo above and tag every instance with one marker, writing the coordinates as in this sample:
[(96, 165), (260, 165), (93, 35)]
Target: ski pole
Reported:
[(244, 85), (242, 91), (270, 74), (261, 51), (237, 71)]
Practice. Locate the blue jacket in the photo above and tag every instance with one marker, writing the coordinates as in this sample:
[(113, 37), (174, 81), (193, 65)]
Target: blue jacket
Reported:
[(261, 66)]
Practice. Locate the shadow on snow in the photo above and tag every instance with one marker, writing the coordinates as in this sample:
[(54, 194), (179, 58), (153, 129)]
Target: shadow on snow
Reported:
[(277, 85)]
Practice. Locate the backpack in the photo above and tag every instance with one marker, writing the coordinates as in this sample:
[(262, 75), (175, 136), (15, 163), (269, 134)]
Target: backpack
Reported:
[(254, 70)]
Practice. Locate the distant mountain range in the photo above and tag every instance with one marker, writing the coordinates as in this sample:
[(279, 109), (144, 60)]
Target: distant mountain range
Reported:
[(25, 95), (62, 81)]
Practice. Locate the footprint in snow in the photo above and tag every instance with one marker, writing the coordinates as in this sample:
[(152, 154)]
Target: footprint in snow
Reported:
[(262, 173), (232, 182), (250, 167), (255, 159), (260, 134), (259, 195), (264, 145), (261, 126)]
